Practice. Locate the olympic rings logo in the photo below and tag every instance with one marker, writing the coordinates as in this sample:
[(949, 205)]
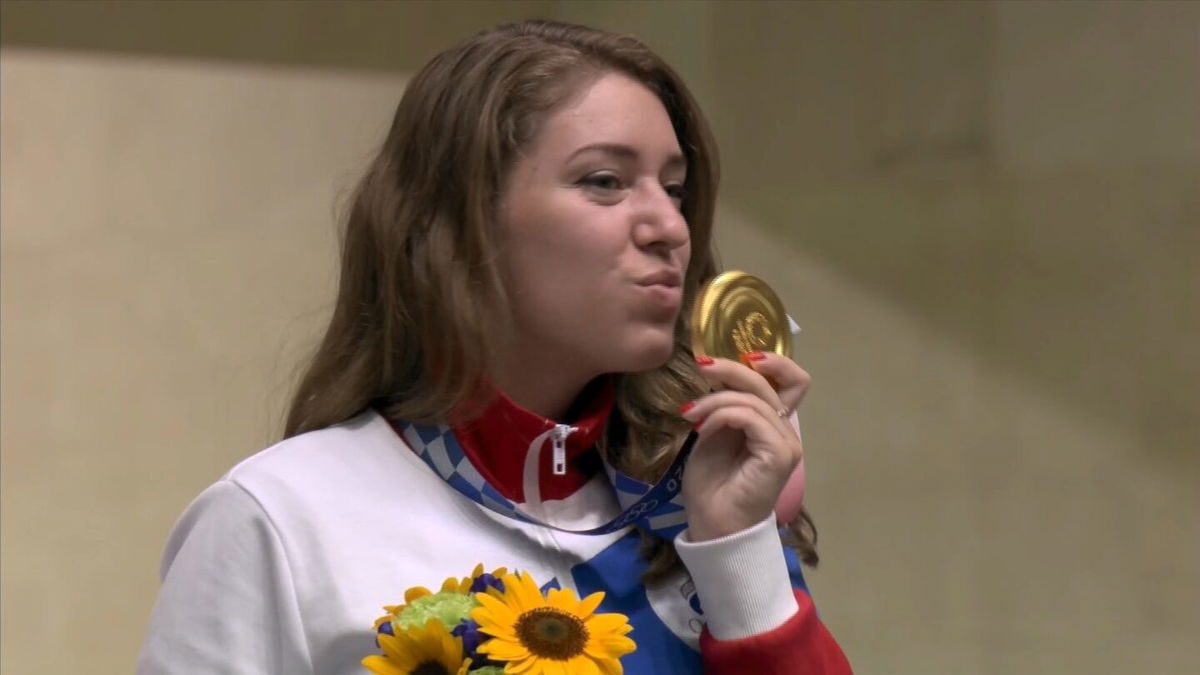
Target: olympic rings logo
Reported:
[(634, 514)]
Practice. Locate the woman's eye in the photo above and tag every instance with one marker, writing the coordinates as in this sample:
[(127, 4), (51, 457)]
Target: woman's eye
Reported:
[(602, 181), (677, 192)]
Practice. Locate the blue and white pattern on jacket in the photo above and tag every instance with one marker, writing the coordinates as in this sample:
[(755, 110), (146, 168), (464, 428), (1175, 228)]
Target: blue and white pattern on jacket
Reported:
[(656, 507), (667, 616)]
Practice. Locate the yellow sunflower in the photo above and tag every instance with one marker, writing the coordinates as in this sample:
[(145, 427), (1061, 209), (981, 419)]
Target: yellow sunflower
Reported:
[(553, 635), (427, 650)]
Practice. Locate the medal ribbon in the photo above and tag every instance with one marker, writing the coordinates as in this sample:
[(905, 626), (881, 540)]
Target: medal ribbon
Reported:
[(657, 507)]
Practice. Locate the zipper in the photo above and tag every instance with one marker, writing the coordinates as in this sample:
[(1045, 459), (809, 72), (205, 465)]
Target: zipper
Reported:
[(558, 440)]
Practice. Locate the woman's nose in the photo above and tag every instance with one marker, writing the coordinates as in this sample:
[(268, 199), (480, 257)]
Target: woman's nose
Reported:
[(660, 222)]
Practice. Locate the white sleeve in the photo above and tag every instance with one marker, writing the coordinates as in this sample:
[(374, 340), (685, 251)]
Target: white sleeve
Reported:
[(227, 604), (742, 580)]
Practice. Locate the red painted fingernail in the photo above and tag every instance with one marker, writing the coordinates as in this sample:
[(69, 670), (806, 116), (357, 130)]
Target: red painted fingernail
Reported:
[(757, 356), (686, 407), (704, 361), (699, 424)]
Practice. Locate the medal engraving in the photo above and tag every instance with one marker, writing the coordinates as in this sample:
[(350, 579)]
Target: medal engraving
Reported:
[(737, 313), (752, 333)]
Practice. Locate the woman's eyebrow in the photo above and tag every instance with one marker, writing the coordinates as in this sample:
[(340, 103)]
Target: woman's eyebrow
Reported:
[(622, 151)]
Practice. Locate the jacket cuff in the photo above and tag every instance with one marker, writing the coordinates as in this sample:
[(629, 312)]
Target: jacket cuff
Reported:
[(742, 580)]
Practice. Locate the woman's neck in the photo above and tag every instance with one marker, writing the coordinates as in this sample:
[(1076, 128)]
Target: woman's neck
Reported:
[(547, 389)]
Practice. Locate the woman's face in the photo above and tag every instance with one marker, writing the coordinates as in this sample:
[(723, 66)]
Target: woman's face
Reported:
[(595, 247)]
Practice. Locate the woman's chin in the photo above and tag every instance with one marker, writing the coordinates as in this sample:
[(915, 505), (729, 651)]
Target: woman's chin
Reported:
[(648, 356)]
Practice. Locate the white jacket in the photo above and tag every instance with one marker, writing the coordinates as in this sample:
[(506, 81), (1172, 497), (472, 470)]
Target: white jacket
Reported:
[(283, 565)]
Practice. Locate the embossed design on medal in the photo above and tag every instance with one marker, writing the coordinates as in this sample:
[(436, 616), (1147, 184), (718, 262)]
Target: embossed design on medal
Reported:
[(737, 313), (752, 333)]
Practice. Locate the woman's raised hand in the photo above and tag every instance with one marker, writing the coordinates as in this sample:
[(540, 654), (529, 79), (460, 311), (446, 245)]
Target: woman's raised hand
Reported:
[(747, 446)]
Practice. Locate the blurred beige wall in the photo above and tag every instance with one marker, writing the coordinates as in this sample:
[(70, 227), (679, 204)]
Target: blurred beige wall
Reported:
[(984, 215)]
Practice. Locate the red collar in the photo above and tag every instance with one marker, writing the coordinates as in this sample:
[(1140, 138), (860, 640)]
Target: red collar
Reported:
[(498, 440)]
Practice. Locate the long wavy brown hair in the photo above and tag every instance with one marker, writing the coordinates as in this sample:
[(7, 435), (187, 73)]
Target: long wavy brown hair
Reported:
[(420, 297)]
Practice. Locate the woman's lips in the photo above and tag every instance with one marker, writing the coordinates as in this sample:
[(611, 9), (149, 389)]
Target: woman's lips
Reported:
[(663, 296)]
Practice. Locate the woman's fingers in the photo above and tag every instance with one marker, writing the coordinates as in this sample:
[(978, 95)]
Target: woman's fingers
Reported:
[(751, 414), (791, 381), (780, 451), (747, 447), (770, 376), (724, 374)]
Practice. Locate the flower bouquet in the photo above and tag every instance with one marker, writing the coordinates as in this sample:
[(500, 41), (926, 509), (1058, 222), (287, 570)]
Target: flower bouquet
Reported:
[(494, 623)]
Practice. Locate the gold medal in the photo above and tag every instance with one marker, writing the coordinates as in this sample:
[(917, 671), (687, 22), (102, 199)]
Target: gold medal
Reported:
[(737, 313)]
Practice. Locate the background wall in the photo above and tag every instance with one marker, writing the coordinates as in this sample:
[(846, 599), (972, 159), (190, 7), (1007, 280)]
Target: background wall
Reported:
[(984, 215)]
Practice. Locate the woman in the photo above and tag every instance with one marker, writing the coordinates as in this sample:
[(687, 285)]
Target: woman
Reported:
[(509, 333)]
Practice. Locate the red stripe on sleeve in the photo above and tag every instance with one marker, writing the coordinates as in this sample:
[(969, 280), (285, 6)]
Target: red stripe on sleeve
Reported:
[(801, 646)]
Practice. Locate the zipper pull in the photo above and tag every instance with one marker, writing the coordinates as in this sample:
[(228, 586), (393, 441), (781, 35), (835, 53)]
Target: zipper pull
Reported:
[(558, 441)]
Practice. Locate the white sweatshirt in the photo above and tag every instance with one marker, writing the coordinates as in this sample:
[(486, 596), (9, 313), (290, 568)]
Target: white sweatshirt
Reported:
[(283, 565)]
